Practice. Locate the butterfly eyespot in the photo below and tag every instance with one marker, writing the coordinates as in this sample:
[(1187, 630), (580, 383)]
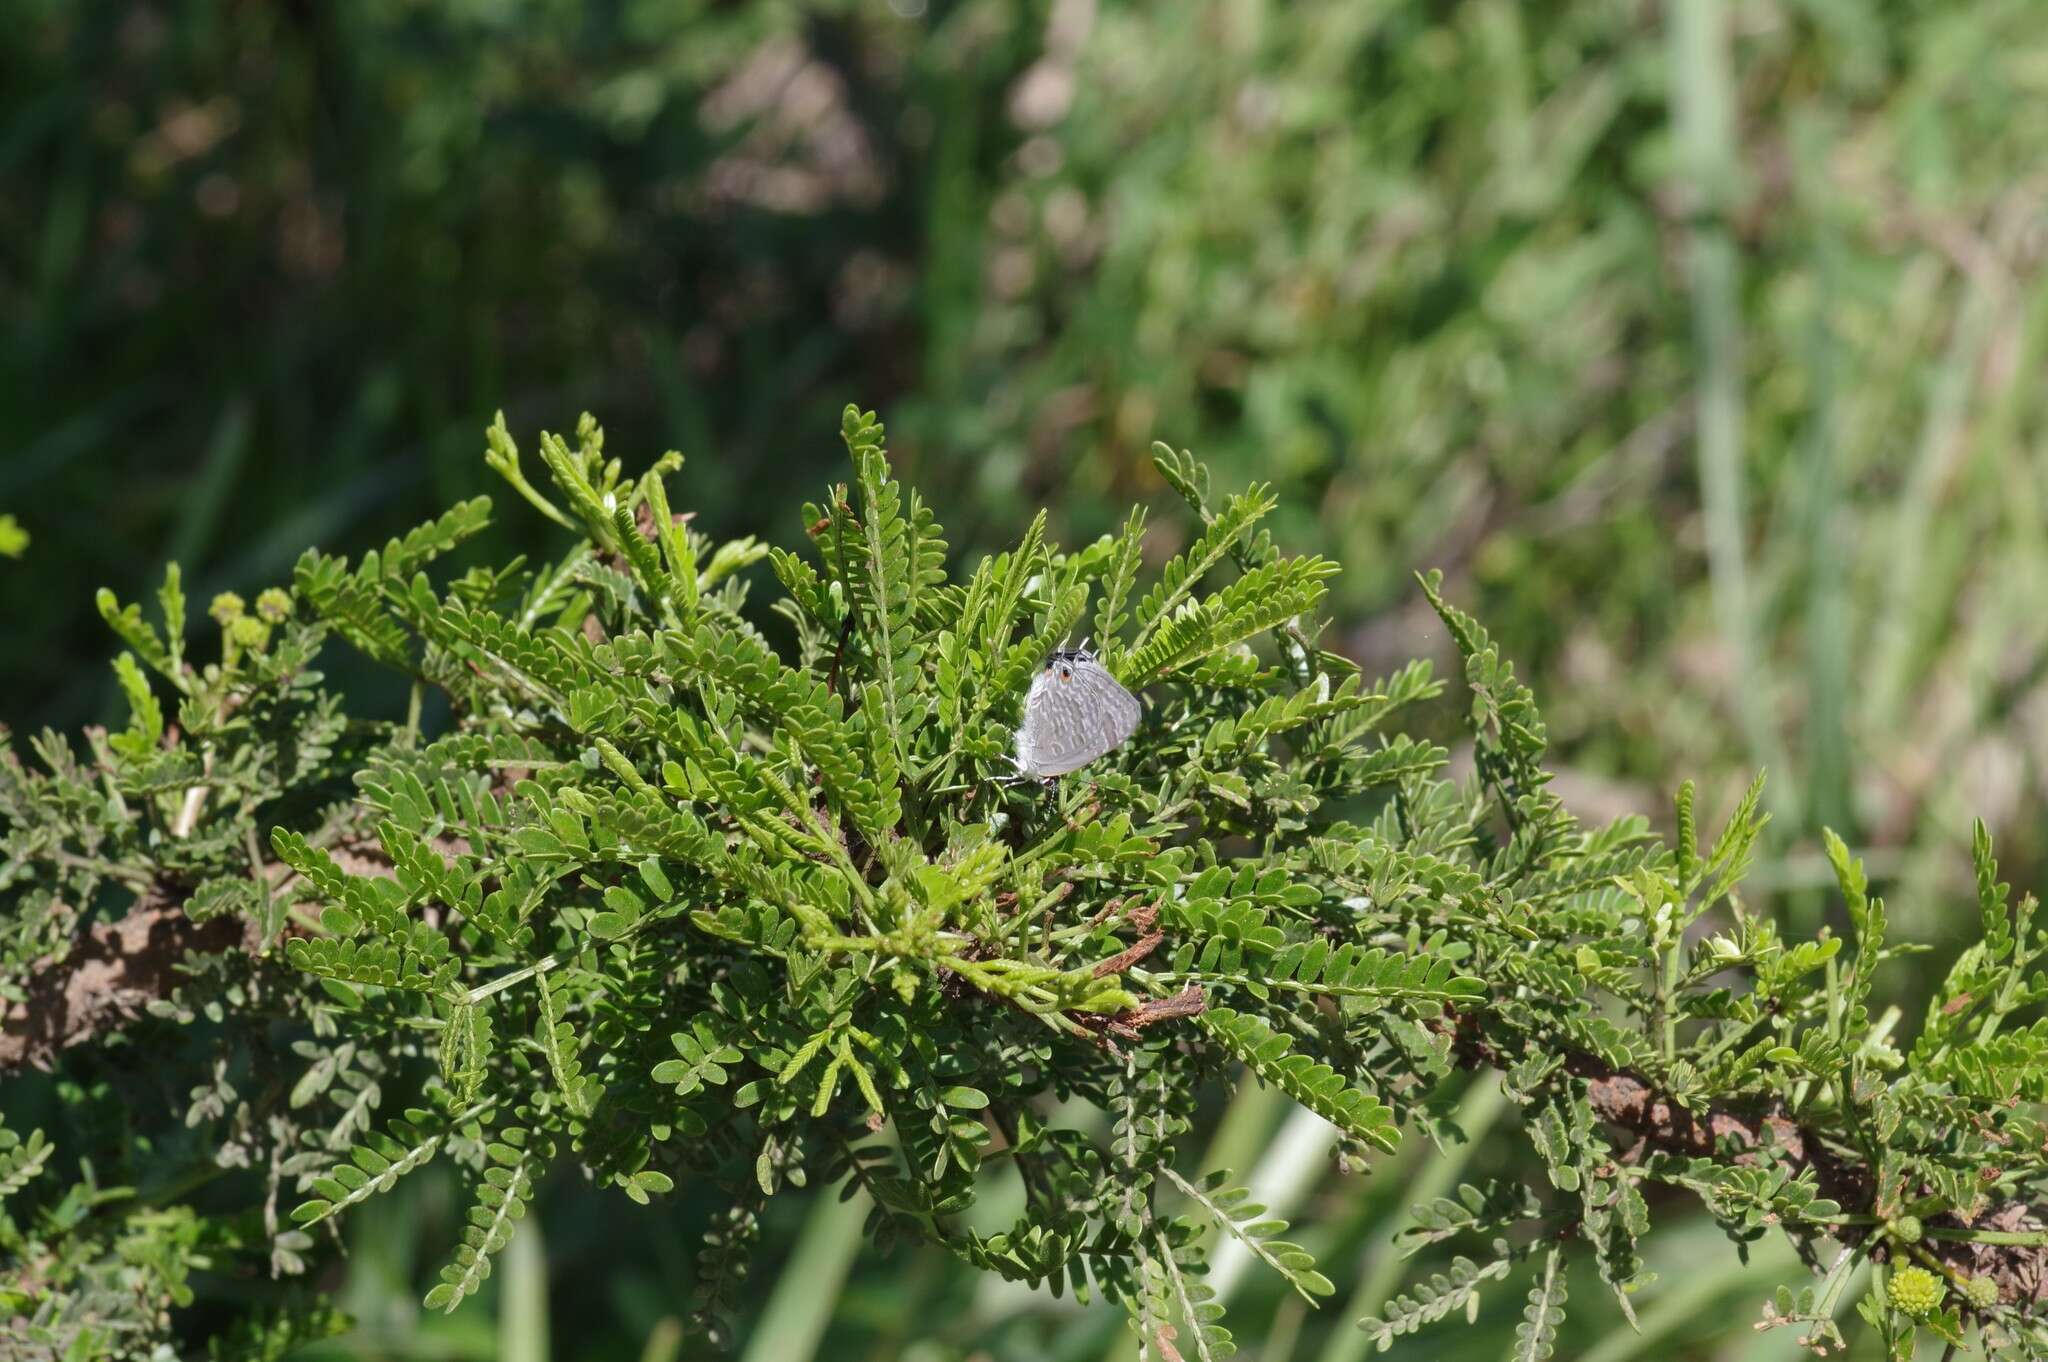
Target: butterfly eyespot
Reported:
[(1066, 675)]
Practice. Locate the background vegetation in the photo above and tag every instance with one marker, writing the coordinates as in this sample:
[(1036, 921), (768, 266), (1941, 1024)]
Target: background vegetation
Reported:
[(1699, 343)]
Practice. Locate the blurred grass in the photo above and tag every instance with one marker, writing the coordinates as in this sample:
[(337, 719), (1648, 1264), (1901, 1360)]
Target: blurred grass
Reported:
[(1698, 342), (799, 1310)]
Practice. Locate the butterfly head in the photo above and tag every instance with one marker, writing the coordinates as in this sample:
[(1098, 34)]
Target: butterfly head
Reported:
[(1061, 661)]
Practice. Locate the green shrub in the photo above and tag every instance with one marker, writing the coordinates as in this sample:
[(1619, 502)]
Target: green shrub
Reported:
[(665, 900), (1428, 268)]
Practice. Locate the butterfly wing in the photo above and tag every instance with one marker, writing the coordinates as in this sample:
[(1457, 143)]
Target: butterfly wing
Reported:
[(1071, 719), (1114, 711), (1051, 742)]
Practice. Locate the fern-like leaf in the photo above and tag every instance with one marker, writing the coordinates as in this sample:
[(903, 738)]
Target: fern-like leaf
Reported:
[(501, 1203), (1536, 1335), (1315, 1085), (1237, 1215)]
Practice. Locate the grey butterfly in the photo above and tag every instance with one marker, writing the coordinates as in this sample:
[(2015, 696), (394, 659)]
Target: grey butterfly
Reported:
[(1074, 713)]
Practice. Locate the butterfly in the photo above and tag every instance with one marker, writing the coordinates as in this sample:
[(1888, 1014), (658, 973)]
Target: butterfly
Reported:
[(1075, 712)]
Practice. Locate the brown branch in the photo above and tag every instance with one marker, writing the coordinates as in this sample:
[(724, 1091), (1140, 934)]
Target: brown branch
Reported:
[(110, 975), (1732, 1133), (1737, 1132), (1189, 1002), (1129, 956), (115, 969), (1622, 1099)]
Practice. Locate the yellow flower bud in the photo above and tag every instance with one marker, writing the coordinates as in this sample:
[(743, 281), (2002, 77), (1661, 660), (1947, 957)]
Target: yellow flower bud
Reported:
[(1915, 1290)]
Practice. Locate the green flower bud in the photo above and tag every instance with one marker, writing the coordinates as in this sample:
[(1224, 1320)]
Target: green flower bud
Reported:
[(249, 632), (275, 605), (226, 608), (1907, 1229), (1915, 1290), (1982, 1292)]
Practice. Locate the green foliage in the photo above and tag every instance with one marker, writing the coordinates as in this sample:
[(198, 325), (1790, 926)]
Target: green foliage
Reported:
[(1465, 332), (1316, 1086), (665, 906), (1420, 267), (20, 1160), (1236, 1214), (1536, 1335), (1437, 1297)]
